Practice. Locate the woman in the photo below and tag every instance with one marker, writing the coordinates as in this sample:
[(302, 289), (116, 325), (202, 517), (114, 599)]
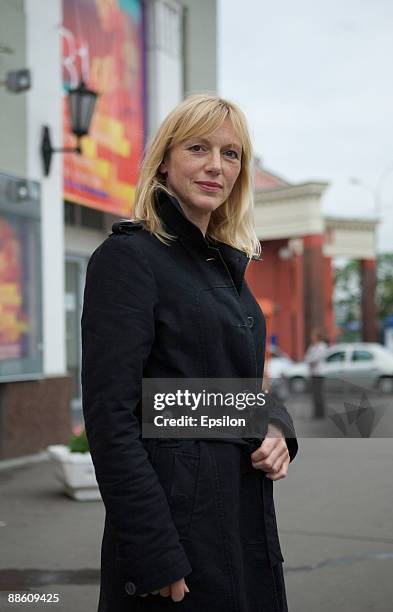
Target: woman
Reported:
[(190, 524)]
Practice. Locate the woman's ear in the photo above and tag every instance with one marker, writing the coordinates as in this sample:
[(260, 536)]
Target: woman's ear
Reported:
[(162, 169)]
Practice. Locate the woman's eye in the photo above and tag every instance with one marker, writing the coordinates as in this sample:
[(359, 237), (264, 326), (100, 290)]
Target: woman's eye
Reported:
[(232, 154), (197, 148)]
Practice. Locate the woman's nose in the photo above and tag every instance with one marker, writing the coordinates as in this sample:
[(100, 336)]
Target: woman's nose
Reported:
[(213, 163)]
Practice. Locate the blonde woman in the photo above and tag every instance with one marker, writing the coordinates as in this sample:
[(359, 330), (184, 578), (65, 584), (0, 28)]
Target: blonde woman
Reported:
[(190, 524)]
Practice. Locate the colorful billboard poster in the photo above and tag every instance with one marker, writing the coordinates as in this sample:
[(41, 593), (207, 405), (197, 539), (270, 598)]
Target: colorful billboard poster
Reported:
[(20, 289), (103, 45), (13, 316)]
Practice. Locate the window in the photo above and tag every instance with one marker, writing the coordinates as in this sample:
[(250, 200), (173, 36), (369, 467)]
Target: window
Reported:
[(362, 356), (83, 216), (20, 279), (75, 273), (339, 356)]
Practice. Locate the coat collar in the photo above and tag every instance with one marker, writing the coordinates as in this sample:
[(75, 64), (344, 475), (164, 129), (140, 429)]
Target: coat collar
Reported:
[(169, 210)]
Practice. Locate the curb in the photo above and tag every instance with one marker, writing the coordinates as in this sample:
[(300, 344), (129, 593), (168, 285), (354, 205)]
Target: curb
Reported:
[(6, 464)]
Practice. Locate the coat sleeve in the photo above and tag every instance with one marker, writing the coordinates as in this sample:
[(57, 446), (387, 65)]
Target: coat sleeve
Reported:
[(117, 336), (280, 416)]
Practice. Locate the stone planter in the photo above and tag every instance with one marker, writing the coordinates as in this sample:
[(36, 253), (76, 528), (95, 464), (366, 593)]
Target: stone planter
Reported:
[(76, 473)]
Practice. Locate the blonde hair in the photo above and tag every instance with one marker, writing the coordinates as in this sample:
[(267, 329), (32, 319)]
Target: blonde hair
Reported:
[(200, 115)]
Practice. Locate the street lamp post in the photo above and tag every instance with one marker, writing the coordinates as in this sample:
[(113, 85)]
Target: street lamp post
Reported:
[(376, 192)]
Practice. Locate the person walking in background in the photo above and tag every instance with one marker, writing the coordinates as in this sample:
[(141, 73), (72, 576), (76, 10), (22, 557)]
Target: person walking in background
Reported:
[(314, 357)]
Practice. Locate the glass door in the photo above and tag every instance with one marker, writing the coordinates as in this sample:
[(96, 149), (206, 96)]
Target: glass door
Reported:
[(74, 284)]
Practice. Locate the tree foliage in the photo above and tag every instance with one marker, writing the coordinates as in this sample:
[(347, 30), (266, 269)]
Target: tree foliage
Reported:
[(385, 285), (347, 293)]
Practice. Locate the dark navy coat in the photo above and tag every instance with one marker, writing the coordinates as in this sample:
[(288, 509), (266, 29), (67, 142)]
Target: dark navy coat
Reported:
[(174, 508)]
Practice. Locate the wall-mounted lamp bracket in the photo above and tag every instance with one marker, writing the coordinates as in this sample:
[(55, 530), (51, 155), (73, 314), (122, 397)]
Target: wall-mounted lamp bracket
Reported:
[(47, 149), (81, 103)]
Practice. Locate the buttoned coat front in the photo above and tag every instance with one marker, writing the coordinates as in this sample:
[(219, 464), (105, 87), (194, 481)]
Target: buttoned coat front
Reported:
[(193, 508)]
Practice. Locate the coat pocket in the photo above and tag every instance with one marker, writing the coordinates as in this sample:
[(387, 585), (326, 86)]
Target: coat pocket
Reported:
[(178, 473)]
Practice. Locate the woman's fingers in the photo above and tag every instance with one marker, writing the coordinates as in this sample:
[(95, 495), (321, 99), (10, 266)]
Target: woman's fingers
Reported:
[(281, 473), (272, 457), (270, 447), (165, 592), (274, 460), (178, 589)]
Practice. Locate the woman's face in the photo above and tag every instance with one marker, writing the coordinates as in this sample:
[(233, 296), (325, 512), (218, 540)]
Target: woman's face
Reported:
[(201, 172)]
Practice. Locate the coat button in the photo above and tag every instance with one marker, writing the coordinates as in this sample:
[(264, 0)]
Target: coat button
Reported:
[(250, 321), (130, 588)]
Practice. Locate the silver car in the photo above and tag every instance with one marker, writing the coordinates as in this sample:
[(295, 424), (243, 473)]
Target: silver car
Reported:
[(365, 364)]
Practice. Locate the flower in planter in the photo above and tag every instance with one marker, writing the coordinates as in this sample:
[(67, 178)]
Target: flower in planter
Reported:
[(78, 442)]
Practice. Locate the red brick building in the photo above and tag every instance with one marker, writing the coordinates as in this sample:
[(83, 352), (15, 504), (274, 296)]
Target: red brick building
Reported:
[(296, 273)]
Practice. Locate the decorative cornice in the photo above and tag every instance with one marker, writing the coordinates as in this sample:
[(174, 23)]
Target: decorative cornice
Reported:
[(350, 223), (290, 192)]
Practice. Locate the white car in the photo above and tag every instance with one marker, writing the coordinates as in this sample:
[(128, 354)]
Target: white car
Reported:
[(278, 363), (366, 364), (276, 366)]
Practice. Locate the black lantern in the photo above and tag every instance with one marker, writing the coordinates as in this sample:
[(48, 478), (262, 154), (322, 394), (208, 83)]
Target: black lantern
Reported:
[(81, 102)]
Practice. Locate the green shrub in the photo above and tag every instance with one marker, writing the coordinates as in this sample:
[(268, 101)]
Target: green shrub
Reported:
[(78, 442)]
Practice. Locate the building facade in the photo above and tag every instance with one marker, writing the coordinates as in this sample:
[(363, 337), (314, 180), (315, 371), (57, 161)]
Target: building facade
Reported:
[(299, 244), (151, 47)]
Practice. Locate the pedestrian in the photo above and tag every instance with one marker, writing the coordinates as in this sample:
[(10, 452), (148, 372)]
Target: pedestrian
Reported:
[(190, 523), (314, 357)]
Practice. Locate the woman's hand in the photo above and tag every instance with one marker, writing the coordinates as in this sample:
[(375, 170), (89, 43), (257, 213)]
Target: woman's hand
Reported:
[(176, 590), (272, 456)]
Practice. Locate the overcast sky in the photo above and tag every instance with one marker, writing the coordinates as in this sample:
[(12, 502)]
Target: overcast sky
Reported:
[(315, 80)]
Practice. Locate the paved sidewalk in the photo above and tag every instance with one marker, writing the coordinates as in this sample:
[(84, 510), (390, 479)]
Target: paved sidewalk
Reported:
[(334, 510), (49, 543)]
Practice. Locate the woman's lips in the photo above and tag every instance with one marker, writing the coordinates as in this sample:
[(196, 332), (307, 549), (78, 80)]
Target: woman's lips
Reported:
[(212, 187)]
